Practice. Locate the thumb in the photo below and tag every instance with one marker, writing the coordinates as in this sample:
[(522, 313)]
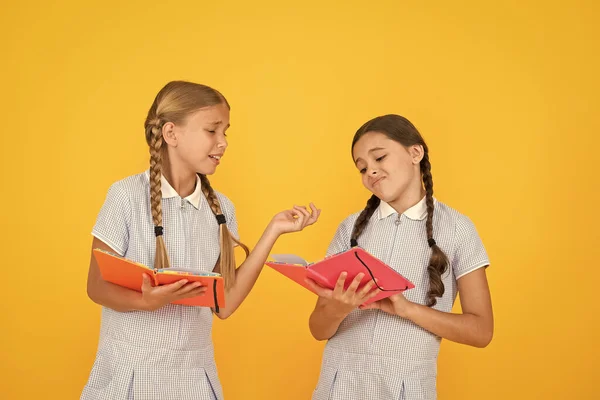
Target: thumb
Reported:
[(373, 305), (317, 289), (146, 283), (395, 297)]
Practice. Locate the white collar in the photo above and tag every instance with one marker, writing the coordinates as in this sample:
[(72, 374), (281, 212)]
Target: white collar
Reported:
[(418, 212), (168, 192)]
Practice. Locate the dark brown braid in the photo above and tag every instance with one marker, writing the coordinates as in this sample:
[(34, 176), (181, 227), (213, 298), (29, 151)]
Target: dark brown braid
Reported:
[(438, 263), (363, 219)]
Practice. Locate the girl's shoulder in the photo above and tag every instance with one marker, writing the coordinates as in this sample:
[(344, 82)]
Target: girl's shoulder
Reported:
[(451, 216), (130, 187)]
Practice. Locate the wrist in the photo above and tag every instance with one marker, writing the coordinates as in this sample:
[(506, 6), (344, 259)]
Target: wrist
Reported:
[(409, 311), (271, 233), (337, 311), (143, 304)]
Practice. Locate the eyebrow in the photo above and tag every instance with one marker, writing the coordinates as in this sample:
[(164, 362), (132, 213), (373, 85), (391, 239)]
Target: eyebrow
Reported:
[(370, 151), (219, 123)]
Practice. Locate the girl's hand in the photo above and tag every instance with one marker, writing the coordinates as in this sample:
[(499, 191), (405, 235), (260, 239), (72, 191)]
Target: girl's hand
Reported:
[(345, 301), (294, 220), (155, 297), (396, 305)]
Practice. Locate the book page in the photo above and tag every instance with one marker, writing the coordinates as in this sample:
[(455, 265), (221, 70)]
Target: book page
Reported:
[(190, 271), (289, 259)]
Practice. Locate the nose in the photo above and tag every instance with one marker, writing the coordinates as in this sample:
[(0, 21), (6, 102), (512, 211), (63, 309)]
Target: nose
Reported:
[(222, 143)]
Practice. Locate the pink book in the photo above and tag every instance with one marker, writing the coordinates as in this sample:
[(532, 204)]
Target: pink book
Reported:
[(353, 262)]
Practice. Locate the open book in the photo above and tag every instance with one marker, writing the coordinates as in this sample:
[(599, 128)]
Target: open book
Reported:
[(128, 273), (353, 261)]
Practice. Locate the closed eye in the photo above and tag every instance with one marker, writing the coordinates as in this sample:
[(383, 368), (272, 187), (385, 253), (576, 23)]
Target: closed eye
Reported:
[(380, 158)]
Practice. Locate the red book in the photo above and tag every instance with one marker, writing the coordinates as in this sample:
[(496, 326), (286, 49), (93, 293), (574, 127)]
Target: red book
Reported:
[(354, 261)]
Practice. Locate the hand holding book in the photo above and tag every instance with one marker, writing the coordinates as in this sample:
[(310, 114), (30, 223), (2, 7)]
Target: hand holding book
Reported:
[(361, 269), (346, 300), (156, 297)]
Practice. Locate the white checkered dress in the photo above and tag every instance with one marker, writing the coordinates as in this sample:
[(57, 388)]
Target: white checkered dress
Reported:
[(165, 354), (375, 355)]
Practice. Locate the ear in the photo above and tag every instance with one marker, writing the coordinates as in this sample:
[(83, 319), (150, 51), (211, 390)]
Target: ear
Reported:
[(169, 134), (416, 153)]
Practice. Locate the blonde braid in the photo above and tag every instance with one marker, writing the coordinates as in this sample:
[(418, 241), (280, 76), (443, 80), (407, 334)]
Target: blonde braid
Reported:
[(154, 131), (226, 240)]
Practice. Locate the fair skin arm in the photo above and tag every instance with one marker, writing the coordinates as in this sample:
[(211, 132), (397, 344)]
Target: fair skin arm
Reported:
[(247, 274), (152, 298), (122, 299), (210, 125), (474, 326)]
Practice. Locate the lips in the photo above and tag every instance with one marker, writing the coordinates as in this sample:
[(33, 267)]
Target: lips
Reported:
[(216, 158), (376, 181)]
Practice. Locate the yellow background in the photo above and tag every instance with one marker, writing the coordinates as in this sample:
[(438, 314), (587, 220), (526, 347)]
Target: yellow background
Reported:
[(505, 94)]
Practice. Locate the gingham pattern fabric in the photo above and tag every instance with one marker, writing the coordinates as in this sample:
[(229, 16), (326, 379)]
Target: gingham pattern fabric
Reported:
[(375, 355), (165, 354)]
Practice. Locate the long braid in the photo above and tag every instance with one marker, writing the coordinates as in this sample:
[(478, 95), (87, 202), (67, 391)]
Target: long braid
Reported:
[(438, 263), (154, 133), (210, 195), (363, 219), (227, 258)]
